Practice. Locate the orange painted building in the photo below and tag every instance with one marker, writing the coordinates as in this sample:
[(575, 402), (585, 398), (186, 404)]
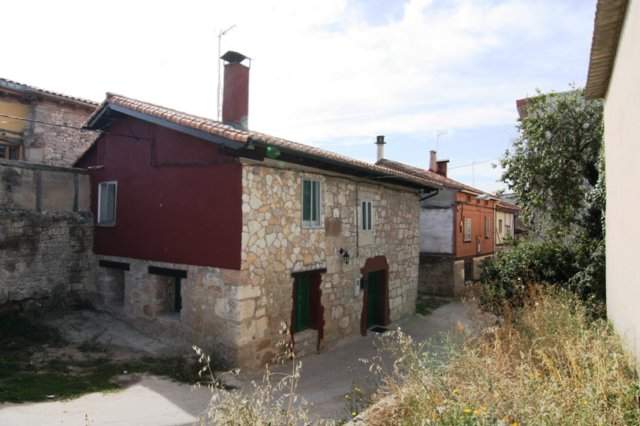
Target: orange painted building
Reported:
[(475, 222), (457, 228)]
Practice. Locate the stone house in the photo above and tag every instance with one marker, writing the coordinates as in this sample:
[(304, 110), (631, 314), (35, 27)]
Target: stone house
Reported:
[(614, 68), (457, 228), (210, 234), (40, 126)]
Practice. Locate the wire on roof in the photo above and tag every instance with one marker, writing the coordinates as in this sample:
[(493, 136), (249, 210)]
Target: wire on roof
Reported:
[(66, 126)]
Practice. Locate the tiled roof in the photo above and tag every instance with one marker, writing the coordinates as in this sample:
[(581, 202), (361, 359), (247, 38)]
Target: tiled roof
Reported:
[(14, 86), (219, 129), (429, 175)]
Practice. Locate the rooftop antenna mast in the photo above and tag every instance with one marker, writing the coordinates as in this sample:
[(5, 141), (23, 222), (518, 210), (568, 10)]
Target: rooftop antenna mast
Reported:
[(439, 133), (220, 35)]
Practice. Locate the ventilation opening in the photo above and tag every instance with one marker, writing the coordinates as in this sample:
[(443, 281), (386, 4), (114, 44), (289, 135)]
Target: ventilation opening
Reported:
[(167, 290), (111, 282)]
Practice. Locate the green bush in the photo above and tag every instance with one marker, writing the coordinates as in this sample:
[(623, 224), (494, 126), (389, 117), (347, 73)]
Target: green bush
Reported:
[(507, 276)]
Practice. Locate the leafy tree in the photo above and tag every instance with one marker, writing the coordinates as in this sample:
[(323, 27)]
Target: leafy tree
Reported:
[(553, 164), (556, 169)]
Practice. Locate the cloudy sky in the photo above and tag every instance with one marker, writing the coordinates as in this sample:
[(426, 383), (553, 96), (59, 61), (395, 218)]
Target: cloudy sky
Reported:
[(332, 73)]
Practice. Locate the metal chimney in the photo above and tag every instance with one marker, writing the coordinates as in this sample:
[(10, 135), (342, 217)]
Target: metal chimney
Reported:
[(380, 143)]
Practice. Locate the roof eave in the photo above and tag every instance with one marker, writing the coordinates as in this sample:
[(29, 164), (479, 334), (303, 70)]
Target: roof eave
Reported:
[(99, 121), (608, 24), (347, 168)]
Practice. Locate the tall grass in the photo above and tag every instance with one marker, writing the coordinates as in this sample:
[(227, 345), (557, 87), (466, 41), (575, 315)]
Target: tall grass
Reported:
[(548, 363)]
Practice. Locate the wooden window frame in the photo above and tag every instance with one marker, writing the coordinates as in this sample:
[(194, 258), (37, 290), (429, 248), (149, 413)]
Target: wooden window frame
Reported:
[(316, 195), (366, 215), (467, 238), (487, 227), (99, 221), (8, 149)]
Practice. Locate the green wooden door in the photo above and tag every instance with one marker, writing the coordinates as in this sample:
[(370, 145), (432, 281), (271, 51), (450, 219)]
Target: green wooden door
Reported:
[(375, 298), (302, 303)]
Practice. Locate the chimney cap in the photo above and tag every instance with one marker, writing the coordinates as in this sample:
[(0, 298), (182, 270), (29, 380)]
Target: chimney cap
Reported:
[(233, 57), (380, 140)]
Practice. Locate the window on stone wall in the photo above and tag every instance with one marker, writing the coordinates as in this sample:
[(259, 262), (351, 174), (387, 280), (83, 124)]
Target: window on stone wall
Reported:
[(10, 152), (467, 229), (310, 203), (107, 197), (366, 216), (168, 289)]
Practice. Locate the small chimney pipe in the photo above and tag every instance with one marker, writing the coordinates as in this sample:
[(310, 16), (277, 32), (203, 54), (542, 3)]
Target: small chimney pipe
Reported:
[(433, 162), (380, 143)]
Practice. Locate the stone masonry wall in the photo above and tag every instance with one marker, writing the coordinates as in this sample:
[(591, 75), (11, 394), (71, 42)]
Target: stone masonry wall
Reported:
[(46, 235), (213, 305), (57, 145), (275, 244)]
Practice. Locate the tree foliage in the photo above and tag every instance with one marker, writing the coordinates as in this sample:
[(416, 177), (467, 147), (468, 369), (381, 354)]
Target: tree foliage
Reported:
[(556, 170), (553, 164)]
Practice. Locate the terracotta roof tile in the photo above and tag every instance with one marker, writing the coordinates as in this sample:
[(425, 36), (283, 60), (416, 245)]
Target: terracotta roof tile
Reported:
[(226, 131), (24, 88)]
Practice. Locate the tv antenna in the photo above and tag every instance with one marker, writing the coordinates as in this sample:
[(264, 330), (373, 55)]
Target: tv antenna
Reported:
[(220, 35)]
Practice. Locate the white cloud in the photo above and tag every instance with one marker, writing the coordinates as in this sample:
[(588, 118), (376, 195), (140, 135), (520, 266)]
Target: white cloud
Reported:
[(321, 73)]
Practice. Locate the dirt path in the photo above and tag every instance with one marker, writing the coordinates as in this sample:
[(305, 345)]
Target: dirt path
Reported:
[(326, 379)]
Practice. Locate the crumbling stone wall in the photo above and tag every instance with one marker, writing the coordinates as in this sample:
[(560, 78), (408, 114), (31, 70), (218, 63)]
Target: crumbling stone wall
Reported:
[(275, 245), (46, 235), (213, 307), (59, 145)]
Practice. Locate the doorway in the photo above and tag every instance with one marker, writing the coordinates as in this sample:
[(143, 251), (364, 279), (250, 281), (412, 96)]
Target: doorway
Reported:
[(375, 306), (375, 298)]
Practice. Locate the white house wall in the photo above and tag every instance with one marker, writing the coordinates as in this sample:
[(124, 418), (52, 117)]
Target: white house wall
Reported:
[(622, 151)]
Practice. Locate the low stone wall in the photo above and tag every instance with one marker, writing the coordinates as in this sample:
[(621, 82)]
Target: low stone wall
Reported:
[(477, 265), (46, 236), (214, 304), (440, 275)]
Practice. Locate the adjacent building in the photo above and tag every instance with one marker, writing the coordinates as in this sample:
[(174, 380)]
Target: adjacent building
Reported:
[(457, 228), (614, 75), (40, 126), (208, 233)]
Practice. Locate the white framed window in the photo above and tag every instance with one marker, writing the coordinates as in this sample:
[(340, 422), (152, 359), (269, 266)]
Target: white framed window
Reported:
[(467, 229), (107, 200), (310, 203), (366, 216)]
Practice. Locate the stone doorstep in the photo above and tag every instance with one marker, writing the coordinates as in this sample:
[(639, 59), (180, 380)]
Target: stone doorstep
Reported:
[(305, 342)]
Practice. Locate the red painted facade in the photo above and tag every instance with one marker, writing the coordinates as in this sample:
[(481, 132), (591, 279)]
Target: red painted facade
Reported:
[(179, 198), (482, 242)]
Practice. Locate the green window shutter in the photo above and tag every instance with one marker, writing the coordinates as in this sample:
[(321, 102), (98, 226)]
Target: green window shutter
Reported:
[(302, 302), (306, 200)]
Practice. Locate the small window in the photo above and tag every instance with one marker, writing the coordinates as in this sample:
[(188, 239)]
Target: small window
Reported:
[(107, 196), (367, 214), (487, 227), (310, 203), (467, 229), (500, 226)]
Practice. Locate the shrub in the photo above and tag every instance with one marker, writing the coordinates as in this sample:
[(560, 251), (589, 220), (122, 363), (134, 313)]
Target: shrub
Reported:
[(505, 278), (547, 364)]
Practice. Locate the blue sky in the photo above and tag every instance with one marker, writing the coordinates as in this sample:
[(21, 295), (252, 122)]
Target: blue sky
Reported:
[(332, 73)]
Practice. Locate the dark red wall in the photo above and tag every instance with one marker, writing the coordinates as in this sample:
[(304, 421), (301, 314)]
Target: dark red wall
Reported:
[(179, 197)]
